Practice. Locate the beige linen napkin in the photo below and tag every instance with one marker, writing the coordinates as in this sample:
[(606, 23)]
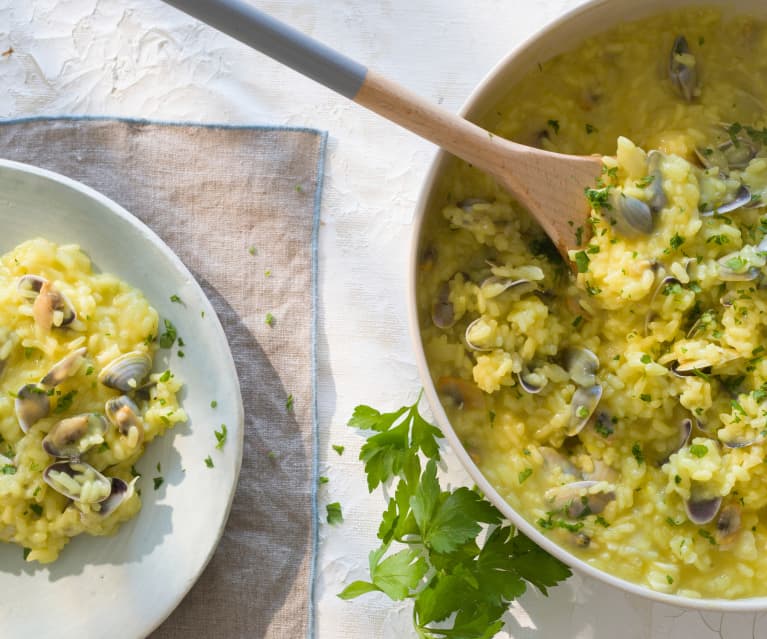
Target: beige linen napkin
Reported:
[(239, 206)]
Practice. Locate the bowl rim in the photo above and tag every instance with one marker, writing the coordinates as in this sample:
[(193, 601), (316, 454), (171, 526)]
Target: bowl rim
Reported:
[(151, 622), (478, 98)]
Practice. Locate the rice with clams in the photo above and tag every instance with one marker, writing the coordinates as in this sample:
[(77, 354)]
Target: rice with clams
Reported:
[(621, 407), (79, 403)]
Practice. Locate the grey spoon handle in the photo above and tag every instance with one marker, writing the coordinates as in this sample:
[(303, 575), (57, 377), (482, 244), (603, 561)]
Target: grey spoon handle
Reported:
[(548, 184), (285, 44)]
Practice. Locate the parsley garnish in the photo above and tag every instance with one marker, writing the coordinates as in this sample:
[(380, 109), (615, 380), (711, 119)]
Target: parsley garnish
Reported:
[(65, 402), (554, 124), (169, 335), (289, 403), (220, 437), (676, 241), (176, 299), (8, 469), (636, 451), (524, 474), (645, 359), (599, 198), (213, 403), (252, 250), (590, 128), (707, 535), (335, 516), (36, 508), (158, 481), (209, 462), (339, 449), (323, 479), (26, 552), (430, 538), (646, 181), (582, 261), (269, 319)]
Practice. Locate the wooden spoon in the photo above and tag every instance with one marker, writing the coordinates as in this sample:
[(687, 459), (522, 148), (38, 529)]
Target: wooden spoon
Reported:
[(550, 185)]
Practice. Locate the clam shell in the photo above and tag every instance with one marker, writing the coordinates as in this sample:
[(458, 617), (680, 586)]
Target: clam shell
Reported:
[(493, 286), (582, 407), (701, 511), (64, 368), (683, 75), (728, 524), (29, 286), (577, 499), (442, 311), (52, 309), (742, 198), (463, 393), (633, 216), (469, 343), (582, 365), (529, 383), (31, 404), (127, 372), (78, 481), (73, 436), (120, 492), (124, 414), (657, 198)]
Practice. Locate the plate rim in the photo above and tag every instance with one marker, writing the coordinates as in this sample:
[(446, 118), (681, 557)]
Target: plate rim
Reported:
[(151, 236)]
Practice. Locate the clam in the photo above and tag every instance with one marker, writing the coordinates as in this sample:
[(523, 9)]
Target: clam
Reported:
[(463, 393), (582, 365), (657, 198), (29, 286), (493, 286), (632, 215), (442, 311), (554, 459), (705, 319), (31, 404), (582, 407), (64, 368), (578, 499), (682, 69), (703, 365), (667, 281), (742, 441), (78, 481), (120, 491), (468, 204), (124, 414), (469, 342), (73, 436), (741, 198), (601, 472), (51, 308), (701, 510), (727, 524), (735, 268), (127, 372), (532, 381), (685, 430)]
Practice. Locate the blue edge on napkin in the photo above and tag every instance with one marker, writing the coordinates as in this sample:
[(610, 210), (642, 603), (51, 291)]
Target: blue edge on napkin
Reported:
[(315, 292)]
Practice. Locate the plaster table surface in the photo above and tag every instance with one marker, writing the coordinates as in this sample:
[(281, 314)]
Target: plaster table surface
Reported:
[(140, 58)]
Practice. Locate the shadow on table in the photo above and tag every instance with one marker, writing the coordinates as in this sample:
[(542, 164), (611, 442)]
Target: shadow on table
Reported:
[(267, 541)]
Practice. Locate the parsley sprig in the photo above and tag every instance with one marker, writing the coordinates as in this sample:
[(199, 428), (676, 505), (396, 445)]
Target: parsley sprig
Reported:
[(431, 549)]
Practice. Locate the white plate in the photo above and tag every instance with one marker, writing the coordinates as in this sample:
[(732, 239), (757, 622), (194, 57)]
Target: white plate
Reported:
[(127, 584)]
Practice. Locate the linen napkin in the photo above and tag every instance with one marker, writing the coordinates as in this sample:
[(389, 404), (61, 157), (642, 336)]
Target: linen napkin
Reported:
[(239, 206)]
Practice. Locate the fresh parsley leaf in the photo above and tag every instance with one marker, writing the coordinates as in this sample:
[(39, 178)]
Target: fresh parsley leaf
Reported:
[(339, 449), (698, 450), (168, 336), (8, 469), (289, 403), (158, 481), (65, 402), (582, 261), (209, 462)]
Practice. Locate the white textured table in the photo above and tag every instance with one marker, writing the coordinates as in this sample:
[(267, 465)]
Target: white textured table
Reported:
[(140, 58)]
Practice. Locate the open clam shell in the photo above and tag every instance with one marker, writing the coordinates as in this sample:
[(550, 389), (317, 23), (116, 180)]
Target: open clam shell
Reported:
[(120, 491), (702, 510), (582, 407), (582, 365), (78, 481), (633, 217), (124, 414), (127, 372), (73, 436), (31, 405), (51, 308), (532, 381), (442, 311), (741, 199), (657, 199), (64, 368), (579, 499), (682, 69)]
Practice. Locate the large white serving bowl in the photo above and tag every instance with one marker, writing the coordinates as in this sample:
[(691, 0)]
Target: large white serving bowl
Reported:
[(125, 585), (562, 35)]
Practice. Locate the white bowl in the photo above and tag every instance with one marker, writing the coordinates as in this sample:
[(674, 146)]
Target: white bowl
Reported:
[(561, 35), (127, 584)]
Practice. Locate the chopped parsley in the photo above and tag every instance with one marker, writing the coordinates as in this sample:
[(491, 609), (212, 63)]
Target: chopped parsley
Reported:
[(339, 449), (645, 359), (323, 479), (269, 319), (252, 250), (719, 239), (698, 450), (524, 474), (636, 451), (26, 552), (601, 521), (37, 509), (334, 514), (176, 299), (213, 403), (158, 481), (169, 335), (554, 124), (645, 397), (577, 321), (599, 198), (582, 261), (676, 241), (646, 181), (708, 536), (209, 462), (65, 402), (220, 437), (669, 579), (165, 376), (89, 370), (289, 403), (590, 128), (8, 469)]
